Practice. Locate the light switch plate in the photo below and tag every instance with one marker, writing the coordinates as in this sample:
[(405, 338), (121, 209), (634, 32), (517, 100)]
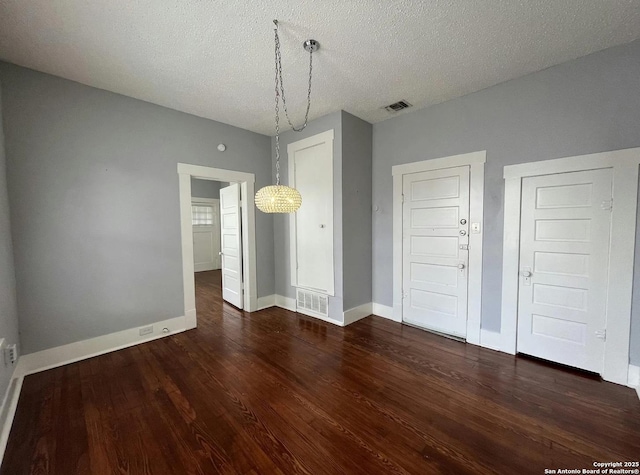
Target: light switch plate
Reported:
[(475, 228)]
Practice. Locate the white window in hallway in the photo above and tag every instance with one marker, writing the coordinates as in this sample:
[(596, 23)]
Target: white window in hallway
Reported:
[(202, 215)]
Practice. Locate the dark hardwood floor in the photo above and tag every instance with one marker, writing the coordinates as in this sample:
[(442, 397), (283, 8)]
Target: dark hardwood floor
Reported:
[(277, 392)]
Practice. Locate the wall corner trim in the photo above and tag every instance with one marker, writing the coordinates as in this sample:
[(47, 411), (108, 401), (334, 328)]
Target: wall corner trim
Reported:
[(8, 409), (357, 313), (82, 350), (490, 339), (633, 378), (383, 311), (266, 301), (287, 303)]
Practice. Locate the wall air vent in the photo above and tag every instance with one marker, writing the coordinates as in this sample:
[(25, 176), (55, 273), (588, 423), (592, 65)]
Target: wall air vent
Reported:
[(398, 106), (312, 303)]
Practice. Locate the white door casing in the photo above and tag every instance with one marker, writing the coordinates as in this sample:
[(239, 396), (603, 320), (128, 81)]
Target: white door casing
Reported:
[(624, 167), (475, 161), (247, 192), (311, 227), (231, 244), (564, 262), (435, 249), (206, 237)]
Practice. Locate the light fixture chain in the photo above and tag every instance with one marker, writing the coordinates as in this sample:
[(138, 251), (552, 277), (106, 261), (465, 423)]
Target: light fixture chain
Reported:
[(277, 111), (280, 198), (284, 100)]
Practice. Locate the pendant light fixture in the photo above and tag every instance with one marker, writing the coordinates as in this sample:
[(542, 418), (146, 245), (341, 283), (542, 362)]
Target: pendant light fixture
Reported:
[(281, 198)]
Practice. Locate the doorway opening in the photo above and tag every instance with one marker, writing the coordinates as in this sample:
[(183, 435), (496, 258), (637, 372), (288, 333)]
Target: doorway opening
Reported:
[(217, 239), (218, 235)]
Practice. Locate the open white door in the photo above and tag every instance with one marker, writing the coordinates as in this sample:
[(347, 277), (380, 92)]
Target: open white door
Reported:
[(564, 258), (435, 250), (231, 243)]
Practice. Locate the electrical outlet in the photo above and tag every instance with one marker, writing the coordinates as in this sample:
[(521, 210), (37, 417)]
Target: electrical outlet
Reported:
[(10, 354), (148, 330)]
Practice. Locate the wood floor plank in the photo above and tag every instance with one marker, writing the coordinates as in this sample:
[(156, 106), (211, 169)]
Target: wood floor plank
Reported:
[(278, 392)]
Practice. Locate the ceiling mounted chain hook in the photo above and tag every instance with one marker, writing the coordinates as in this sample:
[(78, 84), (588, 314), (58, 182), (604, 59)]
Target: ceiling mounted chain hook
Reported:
[(311, 46)]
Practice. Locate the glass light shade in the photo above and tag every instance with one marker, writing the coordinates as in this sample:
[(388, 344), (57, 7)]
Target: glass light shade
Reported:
[(278, 199)]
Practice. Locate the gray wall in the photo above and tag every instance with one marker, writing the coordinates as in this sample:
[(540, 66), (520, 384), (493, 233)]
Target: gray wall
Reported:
[(205, 189), (281, 222), (588, 105), (8, 306), (93, 186), (356, 210)]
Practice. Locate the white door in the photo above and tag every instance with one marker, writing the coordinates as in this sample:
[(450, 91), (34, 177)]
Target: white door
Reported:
[(564, 256), (312, 224), (231, 240), (435, 255), (206, 235)]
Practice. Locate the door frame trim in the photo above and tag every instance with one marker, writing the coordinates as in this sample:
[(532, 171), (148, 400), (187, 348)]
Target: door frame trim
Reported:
[(475, 161), (326, 137), (247, 193), (625, 166)]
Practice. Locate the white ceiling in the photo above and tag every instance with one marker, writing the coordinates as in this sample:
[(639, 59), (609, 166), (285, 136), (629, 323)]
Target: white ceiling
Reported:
[(215, 59)]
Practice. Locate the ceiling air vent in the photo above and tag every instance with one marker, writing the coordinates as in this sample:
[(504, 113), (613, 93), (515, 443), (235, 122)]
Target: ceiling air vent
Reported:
[(398, 106)]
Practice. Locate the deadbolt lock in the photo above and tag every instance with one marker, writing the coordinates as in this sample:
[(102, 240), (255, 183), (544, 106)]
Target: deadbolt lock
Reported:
[(463, 221)]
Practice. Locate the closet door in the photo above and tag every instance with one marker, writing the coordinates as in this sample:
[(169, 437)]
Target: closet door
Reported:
[(311, 173)]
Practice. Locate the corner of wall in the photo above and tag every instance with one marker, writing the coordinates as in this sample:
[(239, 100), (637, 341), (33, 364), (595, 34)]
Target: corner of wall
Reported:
[(9, 386)]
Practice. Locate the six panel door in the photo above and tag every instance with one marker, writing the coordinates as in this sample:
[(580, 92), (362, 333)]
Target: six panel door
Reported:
[(564, 257), (231, 240), (435, 229)]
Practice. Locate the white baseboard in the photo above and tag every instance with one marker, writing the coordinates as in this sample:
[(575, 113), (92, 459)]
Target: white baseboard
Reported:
[(383, 311), (8, 410), (190, 320), (357, 313), (80, 350), (287, 303), (266, 301), (633, 380), (490, 339)]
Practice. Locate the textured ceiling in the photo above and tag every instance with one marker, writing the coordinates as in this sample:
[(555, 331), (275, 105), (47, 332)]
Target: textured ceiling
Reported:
[(215, 59)]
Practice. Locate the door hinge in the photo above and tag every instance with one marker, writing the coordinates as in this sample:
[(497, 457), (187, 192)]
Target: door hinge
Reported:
[(607, 205), (402, 198), (602, 334)]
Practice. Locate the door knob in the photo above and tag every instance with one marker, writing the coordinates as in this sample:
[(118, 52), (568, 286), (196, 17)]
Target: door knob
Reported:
[(460, 266), (526, 273), (463, 232), (220, 253)]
